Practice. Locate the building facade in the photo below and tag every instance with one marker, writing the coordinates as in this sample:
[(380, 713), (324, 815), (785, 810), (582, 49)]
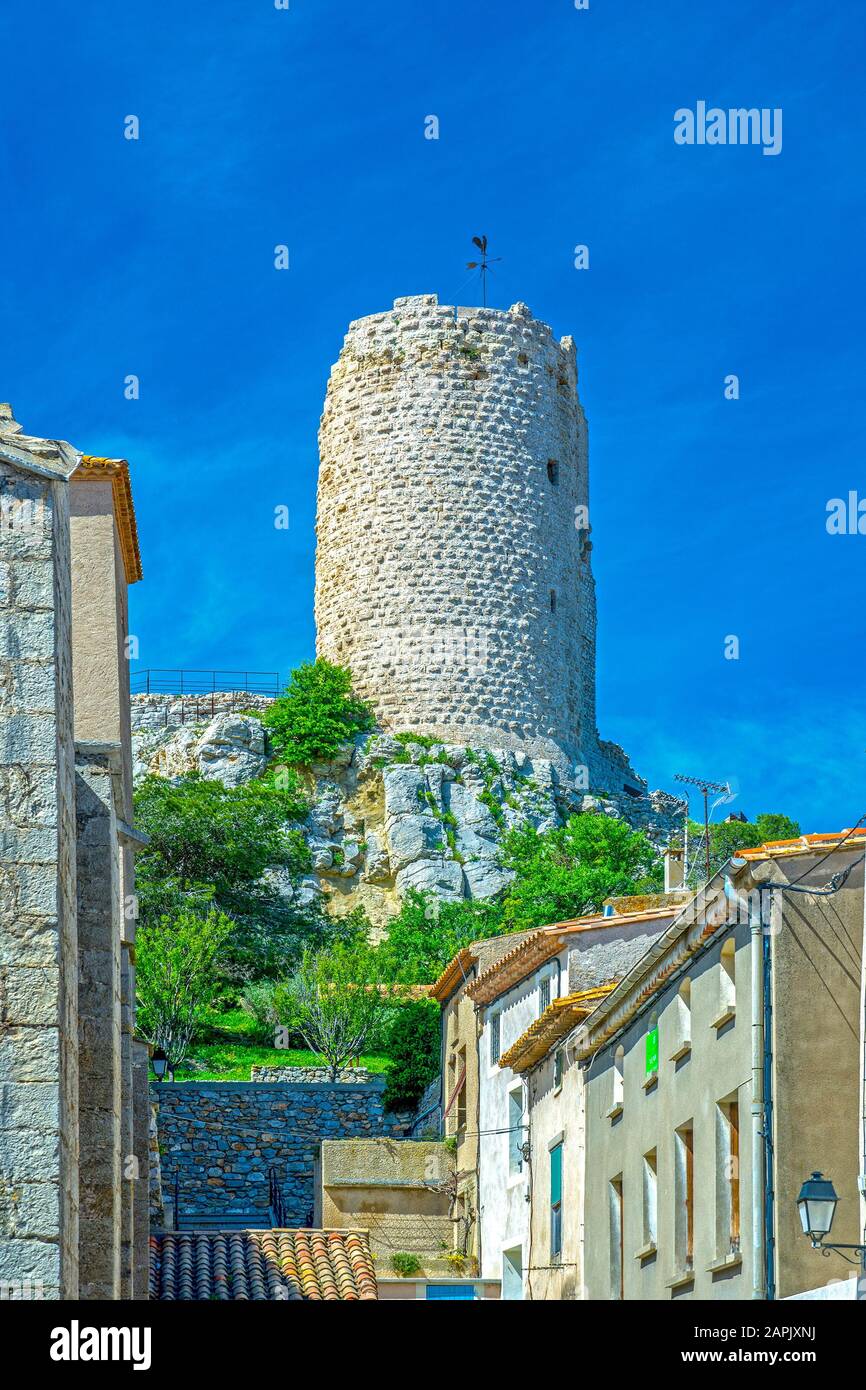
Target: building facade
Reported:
[(718, 1074), (73, 1134), (534, 991)]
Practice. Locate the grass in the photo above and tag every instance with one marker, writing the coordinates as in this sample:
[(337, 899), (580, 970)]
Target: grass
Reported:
[(229, 1048)]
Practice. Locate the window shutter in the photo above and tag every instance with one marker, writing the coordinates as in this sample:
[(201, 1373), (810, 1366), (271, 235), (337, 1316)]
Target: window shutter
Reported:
[(556, 1175)]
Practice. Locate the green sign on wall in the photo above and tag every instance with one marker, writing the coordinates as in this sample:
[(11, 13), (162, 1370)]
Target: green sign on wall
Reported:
[(652, 1051)]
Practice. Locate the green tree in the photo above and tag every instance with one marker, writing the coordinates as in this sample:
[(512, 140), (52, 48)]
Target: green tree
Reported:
[(175, 979), (317, 714), (426, 933), (336, 1003), (726, 837), (210, 846), (569, 871), (412, 1044)]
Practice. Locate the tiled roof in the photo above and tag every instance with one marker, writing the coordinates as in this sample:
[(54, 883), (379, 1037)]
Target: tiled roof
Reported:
[(806, 844), (558, 1019), (284, 1266), (117, 472), (540, 946), (453, 974)]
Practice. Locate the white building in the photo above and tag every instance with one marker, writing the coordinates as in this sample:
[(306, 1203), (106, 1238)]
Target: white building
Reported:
[(511, 996)]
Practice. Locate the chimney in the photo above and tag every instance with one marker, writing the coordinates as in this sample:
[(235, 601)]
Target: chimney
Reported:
[(673, 868)]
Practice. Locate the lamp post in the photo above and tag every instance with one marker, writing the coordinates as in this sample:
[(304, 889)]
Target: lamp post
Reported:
[(159, 1062), (817, 1204)]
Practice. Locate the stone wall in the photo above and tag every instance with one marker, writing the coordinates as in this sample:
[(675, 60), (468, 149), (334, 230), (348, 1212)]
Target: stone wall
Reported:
[(221, 1138), (38, 950), (452, 569), (349, 1076)]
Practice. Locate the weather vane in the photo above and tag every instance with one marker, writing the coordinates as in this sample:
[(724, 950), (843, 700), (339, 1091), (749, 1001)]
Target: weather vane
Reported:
[(483, 265)]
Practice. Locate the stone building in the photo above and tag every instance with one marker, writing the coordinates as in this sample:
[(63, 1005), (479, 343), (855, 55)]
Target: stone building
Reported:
[(453, 562), (73, 1077)]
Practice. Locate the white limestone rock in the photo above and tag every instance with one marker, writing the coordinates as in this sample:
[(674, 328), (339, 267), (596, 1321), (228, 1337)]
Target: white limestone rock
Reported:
[(441, 877), (414, 837), (231, 750), (404, 789), (377, 864)]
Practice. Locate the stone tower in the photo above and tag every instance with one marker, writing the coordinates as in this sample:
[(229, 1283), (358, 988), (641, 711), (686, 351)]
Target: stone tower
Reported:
[(453, 559)]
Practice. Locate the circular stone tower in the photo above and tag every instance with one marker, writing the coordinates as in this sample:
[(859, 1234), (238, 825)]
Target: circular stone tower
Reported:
[(453, 559)]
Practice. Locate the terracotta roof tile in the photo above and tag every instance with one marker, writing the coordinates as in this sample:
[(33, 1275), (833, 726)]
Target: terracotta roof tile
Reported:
[(805, 844), (281, 1265), (558, 1019), (541, 945), (116, 471)]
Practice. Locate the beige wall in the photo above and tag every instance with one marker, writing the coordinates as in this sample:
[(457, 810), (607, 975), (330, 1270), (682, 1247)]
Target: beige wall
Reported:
[(816, 1011), (397, 1189), (555, 1115), (460, 1038), (687, 1091), (100, 670)]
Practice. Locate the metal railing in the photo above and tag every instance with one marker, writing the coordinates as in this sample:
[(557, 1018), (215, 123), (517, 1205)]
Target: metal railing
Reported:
[(187, 681), (275, 1201)]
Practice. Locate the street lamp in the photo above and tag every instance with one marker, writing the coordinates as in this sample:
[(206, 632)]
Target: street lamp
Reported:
[(159, 1062), (817, 1204)]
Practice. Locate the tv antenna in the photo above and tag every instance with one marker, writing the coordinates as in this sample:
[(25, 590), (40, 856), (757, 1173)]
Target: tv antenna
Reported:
[(705, 788), (483, 265)]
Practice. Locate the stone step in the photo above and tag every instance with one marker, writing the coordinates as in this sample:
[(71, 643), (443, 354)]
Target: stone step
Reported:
[(224, 1221)]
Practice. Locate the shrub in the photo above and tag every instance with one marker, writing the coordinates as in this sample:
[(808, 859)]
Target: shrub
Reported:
[(570, 871), (412, 1044), (209, 847), (425, 934), (405, 1264), (317, 714)]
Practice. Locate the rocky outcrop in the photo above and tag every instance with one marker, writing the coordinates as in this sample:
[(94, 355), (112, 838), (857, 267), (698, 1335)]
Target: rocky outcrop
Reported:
[(230, 749), (394, 813)]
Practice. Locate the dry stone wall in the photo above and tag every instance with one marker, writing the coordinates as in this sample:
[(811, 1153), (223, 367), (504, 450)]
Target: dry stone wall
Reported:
[(220, 1139)]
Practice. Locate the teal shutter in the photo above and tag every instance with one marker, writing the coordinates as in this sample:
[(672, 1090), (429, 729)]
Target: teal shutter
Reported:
[(556, 1175)]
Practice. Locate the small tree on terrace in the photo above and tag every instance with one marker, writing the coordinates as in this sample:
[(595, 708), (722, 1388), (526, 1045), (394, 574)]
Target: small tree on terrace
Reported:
[(174, 957), (335, 1004)]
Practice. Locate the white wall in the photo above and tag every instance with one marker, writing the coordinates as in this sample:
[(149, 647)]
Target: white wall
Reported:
[(503, 1196)]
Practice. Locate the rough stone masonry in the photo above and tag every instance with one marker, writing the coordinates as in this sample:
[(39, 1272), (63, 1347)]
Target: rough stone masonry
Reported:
[(453, 569)]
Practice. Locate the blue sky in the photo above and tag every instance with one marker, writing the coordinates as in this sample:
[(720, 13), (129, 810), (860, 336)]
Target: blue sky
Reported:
[(305, 127)]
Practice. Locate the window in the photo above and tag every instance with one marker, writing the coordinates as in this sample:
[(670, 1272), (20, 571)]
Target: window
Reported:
[(543, 993), (558, 1060), (650, 1200), (617, 1263), (681, 1017), (727, 983), (556, 1201), (684, 1199), (728, 1177), (512, 1273), (651, 1069), (494, 1040), (461, 1094), (553, 471), (553, 600), (515, 1131), (618, 1073)]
